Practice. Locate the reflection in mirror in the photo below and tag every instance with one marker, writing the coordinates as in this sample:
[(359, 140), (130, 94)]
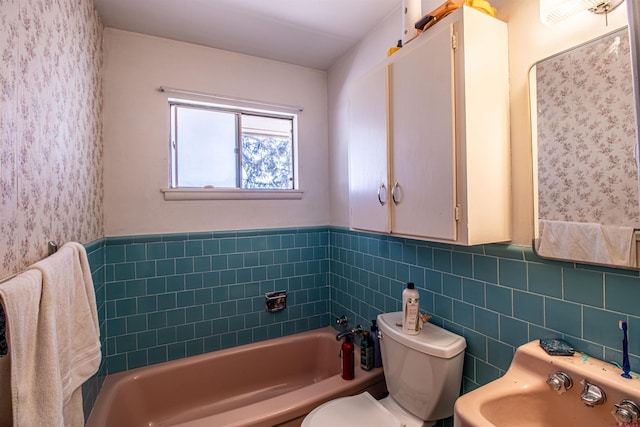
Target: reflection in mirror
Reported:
[(585, 156)]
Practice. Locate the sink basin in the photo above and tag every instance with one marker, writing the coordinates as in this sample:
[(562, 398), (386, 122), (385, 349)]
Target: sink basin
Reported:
[(523, 398)]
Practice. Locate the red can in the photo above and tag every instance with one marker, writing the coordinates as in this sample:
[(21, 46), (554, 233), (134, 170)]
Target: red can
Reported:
[(347, 359)]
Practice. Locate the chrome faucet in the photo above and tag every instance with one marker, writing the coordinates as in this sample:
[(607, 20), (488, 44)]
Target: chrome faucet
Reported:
[(626, 412), (356, 330), (342, 321), (343, 334), (559, 382), (592, 395)]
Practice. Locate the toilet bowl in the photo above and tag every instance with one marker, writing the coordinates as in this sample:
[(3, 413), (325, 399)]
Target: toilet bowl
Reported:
[(423, 373), (361, 410)]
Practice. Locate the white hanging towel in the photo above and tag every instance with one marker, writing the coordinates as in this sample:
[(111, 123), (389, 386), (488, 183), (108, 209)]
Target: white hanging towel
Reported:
[(64, 350), (20, 299), (586, 242)]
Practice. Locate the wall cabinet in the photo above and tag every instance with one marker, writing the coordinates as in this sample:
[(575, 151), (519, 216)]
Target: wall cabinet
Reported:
[(429, 150)]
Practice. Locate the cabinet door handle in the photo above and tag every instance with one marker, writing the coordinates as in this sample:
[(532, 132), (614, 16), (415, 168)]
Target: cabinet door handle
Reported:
[(396, 186), (382, 194)]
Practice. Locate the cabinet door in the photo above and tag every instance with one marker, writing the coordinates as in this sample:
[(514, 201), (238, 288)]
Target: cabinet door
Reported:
[(368, 164), (423, 140)]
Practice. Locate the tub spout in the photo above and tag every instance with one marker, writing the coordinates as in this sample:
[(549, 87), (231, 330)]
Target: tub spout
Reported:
[(356, 330), (343, 334)]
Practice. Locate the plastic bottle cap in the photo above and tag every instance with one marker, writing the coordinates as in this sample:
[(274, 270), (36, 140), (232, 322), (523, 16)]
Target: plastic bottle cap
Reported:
[(410, 285)]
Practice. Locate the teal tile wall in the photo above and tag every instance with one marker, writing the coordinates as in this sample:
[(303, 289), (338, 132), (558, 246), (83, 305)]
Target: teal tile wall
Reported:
[(496, 296), (163, 297), (95, 255), (177, 295)]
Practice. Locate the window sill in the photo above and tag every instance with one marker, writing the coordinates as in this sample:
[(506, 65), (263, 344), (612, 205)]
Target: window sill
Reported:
[(229, 194)]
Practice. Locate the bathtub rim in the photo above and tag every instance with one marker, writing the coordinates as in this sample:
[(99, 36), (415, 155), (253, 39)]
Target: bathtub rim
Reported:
[(307, 397)]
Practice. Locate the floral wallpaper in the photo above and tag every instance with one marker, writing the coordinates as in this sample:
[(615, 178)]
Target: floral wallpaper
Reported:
[(587, 171), (50, 127)]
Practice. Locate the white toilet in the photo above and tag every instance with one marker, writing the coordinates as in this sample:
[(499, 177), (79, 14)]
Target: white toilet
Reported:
[(423, 374)]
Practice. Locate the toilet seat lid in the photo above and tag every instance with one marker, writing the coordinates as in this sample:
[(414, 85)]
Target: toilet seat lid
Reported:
[(361, 410)]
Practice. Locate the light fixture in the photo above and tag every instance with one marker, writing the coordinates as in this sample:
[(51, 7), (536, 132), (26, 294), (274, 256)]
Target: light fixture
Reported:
[(554, 11)]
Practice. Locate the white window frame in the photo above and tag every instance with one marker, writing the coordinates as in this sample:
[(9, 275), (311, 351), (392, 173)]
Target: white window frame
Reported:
[(206, 193)]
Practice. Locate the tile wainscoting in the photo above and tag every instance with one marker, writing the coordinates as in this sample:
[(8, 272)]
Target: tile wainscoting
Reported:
[(177, 295), (163, 297), (497, 296)]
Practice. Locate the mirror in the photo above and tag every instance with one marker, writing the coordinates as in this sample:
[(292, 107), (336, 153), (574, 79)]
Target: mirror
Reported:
[(586, 183)]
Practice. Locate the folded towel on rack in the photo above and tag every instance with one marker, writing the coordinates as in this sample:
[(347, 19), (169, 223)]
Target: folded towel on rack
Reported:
[(67, 351), (20, 299), (586, 242)]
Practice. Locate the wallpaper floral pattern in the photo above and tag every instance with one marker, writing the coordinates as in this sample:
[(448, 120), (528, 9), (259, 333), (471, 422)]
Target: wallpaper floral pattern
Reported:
[(587, 171), (50, 127)]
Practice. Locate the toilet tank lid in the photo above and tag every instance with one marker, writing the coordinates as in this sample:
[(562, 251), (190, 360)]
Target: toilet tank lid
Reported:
[(431, 340)]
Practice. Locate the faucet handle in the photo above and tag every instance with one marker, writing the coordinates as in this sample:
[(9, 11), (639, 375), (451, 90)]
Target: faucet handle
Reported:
[(357, 330), (342, 321), (559, 382), (592, 395), (626, 412)]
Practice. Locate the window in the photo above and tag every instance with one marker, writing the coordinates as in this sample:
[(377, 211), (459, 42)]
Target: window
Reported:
[(216, 146)]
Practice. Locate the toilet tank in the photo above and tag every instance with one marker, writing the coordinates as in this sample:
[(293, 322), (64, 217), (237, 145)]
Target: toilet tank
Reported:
[(423, 372)]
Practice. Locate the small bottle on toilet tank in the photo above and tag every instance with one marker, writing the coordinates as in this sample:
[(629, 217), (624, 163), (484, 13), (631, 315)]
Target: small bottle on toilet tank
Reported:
[(411, 310)]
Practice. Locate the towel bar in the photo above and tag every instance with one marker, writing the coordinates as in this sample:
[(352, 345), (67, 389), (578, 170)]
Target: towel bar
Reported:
[(52, 248)]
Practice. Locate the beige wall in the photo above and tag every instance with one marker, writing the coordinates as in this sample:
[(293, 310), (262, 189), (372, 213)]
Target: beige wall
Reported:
[(50, 127), (136, 131), (529, 41)]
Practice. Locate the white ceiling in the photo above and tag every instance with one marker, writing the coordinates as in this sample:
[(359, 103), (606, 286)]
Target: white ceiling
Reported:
[(311, 33)]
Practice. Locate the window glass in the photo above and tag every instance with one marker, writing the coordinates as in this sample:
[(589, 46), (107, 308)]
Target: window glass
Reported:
[(267, 152), (206, 148), (227, 148)]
